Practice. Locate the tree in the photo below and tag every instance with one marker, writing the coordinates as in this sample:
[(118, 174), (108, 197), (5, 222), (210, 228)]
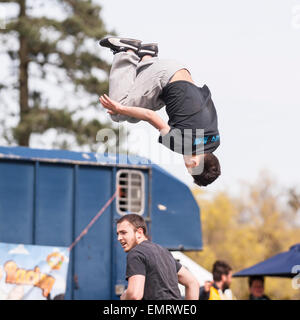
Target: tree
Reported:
[(294, 199), (246, 230), (53, 56)]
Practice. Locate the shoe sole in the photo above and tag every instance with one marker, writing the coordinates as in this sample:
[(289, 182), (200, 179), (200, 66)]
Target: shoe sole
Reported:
[(149, 48), (144, 51), (116, 43)]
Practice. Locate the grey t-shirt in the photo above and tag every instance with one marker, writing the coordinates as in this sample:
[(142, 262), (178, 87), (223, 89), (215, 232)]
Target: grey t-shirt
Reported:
[(159, 268)]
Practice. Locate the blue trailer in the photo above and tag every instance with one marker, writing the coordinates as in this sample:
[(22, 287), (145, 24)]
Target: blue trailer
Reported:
[(47, 197)]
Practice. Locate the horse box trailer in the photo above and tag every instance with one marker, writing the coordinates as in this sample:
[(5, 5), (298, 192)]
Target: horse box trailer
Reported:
[(47, 197)]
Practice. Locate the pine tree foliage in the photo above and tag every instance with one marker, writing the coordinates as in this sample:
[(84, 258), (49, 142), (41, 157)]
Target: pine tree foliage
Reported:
[(52, 49)]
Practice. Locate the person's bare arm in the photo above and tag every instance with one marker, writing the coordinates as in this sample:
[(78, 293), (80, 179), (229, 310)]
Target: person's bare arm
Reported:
[(135, 289), (191, 284), (150, 116)]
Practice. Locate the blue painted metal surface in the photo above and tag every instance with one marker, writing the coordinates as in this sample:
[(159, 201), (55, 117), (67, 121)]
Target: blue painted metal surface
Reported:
[(284, 264), (48, 197), (176, 224)]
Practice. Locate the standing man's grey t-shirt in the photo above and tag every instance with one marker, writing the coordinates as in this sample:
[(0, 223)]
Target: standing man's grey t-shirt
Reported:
[(159, 268)]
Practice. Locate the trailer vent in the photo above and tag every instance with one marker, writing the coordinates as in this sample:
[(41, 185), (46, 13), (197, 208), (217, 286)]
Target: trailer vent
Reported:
[(131, 197)]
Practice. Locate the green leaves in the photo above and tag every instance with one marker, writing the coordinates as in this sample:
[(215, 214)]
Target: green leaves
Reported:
[(62, 45), (249, 228), (40, 120)]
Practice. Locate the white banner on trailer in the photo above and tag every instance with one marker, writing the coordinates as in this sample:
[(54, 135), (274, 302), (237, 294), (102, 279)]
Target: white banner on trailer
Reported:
[(32, 272)]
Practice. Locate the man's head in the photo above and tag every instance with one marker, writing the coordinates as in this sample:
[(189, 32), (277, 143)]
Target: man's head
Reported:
[(222, 273), (131, 231), (256, 286), (204, 168)]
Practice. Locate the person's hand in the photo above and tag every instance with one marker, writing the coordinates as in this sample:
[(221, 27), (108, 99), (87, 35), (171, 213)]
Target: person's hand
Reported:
[(123, 295), (113, 107), (207, 286)]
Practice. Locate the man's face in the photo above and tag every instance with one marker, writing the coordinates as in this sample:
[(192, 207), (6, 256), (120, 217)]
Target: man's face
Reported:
[(193, 161), (227, 280), (257, 288), (127, 235)]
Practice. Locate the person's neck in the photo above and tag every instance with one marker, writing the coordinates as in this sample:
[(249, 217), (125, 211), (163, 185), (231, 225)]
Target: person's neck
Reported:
[(219, 285), (141, 240)]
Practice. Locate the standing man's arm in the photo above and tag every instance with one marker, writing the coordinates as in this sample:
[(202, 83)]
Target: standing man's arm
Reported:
[(191, 284), (135, 289)]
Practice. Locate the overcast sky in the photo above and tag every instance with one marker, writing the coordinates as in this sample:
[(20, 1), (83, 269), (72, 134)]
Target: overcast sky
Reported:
[(248, 53)]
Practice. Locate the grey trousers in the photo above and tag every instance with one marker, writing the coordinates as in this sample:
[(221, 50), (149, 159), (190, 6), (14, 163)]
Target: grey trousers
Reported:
[(139, 84)]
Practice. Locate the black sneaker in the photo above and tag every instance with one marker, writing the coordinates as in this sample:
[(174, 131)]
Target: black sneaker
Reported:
[(148, 49), (117, 44)]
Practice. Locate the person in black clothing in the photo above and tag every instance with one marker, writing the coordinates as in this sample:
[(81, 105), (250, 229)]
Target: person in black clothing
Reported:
[(151, 271), (256, 288), (140, 84)]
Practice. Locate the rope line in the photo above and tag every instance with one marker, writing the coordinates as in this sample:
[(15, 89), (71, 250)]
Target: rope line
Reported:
[(86, 229)]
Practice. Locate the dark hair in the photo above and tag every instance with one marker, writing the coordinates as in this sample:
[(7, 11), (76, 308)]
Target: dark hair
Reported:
[(211, 170), (136, 220), (254, 278), (220, 268)]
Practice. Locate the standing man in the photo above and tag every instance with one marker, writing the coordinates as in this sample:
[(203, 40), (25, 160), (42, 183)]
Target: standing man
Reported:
[(219, 288), (152, 272)]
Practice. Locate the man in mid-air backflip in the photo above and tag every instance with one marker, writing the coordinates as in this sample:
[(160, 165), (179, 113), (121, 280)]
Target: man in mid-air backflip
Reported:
[(140, 83)]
